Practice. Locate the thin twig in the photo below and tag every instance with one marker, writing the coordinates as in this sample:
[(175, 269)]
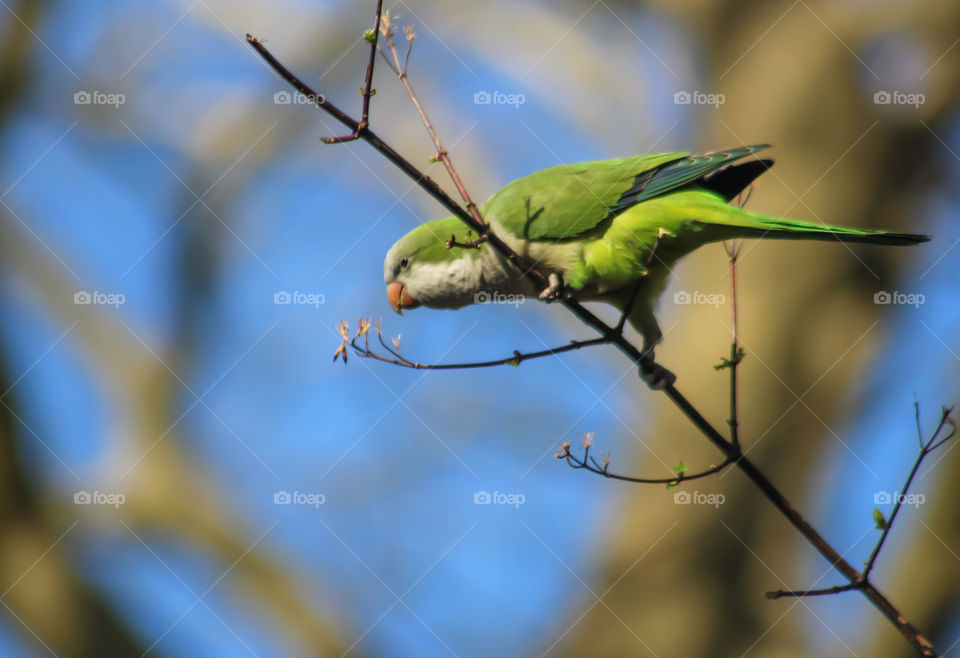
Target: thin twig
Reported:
[(736, 353), (387, 29), (862, 581), (927, 448), (367, 91), (397, 359), (589, 463), (802, 593)]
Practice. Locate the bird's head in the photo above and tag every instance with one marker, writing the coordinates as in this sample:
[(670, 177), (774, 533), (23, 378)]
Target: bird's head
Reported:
[(421, 270)]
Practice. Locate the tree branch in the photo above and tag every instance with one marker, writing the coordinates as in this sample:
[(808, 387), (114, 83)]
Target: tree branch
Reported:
[(590, 463), (736, 352), (925, 450), (397, 359), (802, 593), (862, 580), (367, 91)]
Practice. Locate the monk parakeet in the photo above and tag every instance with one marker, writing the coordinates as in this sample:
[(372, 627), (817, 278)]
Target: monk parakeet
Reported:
[(599, 231)]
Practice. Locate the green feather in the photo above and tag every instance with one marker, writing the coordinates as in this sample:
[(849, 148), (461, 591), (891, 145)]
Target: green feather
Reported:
[(566, 201), (688, 219)]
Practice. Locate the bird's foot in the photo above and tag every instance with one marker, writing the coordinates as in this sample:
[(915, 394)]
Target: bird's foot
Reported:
[(656, 376), (555, 288)]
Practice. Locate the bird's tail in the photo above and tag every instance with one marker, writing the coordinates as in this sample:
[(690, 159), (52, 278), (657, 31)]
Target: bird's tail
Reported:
[(720, 221), (791, 229)]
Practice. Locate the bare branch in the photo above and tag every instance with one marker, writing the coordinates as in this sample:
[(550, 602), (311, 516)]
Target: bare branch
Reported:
[(736, 352), (366, 91), (396, 359), (589, 463), (801, 593), (927, 448), (862, 581)]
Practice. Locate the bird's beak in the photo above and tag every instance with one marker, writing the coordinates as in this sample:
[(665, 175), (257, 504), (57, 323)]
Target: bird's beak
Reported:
[(399, 297)]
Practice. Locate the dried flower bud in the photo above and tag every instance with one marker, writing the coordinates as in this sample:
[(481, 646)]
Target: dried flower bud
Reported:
[(587, 439)]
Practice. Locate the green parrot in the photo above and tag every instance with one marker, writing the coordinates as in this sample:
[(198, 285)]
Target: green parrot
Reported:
[(600, 231)]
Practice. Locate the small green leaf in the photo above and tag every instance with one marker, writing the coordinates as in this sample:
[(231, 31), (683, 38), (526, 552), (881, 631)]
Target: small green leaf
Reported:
[(879, 520), (680, 468), (728, 363), (672, 484), (369, 36)]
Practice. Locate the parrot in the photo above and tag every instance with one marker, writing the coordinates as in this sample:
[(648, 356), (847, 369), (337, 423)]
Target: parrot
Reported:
[(607, 231)]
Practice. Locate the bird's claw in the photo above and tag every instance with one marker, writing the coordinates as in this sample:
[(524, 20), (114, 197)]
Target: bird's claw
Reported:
[(555, 288), (656, 376)]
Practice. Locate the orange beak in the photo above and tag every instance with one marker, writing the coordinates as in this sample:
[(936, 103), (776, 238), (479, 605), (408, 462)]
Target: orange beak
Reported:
[(399, 297)]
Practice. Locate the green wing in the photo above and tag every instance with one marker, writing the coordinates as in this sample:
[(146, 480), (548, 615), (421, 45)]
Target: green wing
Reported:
[(566, 201)]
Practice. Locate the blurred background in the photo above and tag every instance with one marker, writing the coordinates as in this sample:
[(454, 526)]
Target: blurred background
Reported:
[(186, 472)]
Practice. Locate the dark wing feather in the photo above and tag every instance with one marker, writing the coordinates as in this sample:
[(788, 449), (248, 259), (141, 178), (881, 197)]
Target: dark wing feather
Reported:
[(674, 175), (733, 179)]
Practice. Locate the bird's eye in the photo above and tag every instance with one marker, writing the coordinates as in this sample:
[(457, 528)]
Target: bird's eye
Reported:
[(404, 261)]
